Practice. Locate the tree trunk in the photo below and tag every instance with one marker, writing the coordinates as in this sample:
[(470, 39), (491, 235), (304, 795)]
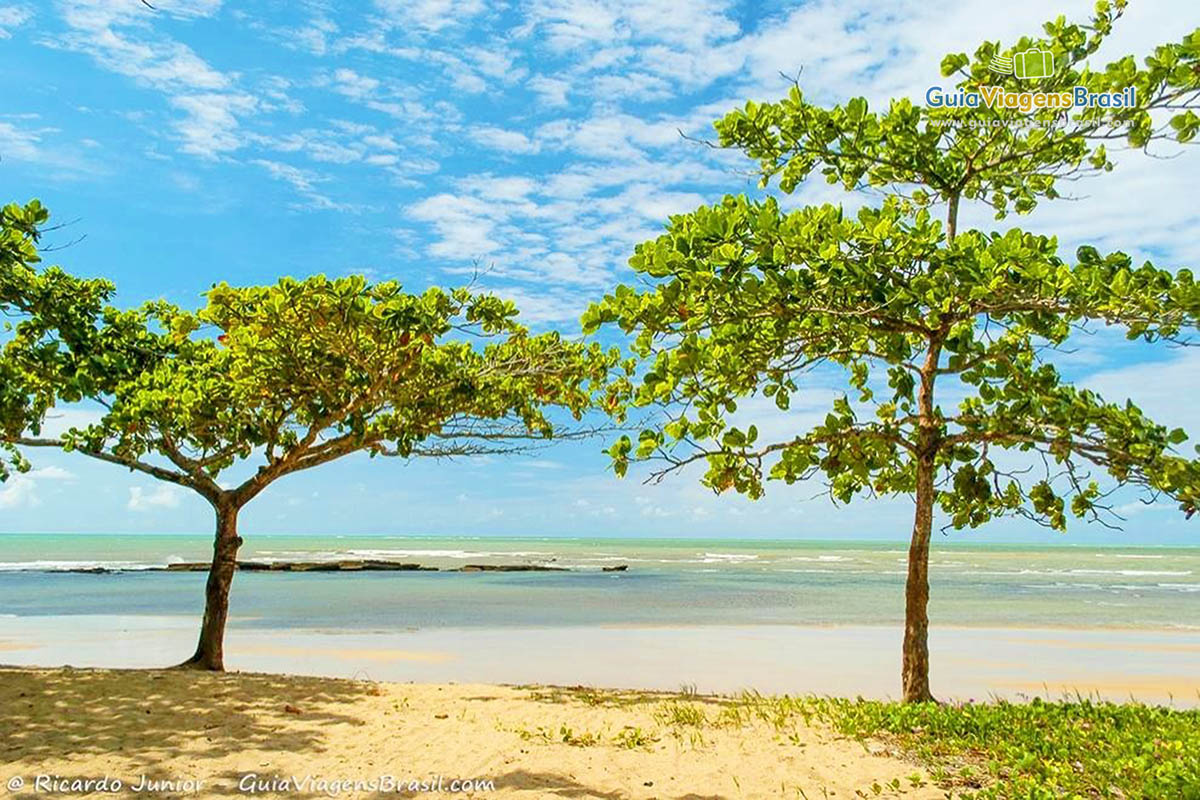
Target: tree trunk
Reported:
[(915, 671), (210, 653)]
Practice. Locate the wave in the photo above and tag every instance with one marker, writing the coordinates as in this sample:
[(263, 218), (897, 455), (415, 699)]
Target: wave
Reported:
[(1121, 572), (710, 557), (390, 553), (819, 558), (68, 566), (1131, 572)]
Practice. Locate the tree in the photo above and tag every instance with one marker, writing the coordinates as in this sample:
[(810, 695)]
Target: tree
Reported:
[(747, 299), (52, 308), (299, 374)]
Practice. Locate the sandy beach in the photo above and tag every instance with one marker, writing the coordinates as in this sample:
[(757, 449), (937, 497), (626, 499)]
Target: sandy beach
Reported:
[(185, 734), (845, 661)]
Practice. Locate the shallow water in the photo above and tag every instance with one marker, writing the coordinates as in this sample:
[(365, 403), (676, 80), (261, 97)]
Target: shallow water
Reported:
[(669, 582)]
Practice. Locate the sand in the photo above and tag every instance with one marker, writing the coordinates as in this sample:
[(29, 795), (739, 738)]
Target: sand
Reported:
[(1154, 666), (202, 733)]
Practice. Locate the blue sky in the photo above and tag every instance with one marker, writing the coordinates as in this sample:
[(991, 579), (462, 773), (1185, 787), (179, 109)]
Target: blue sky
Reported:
[(214, 140)]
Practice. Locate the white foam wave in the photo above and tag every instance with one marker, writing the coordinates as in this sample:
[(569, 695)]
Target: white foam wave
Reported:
[(711, 558), (69, 566), (819, 558)]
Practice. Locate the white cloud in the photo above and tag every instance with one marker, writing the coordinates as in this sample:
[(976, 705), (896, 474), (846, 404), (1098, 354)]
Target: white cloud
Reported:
[(431, 15), (354, 85), (13, 17), (163, 496), (461, 223), (552, 91), (42, 145), (21, 489), (20, 144), (506, 141), (211, 125), (119, 37), (19, 492), (51, 474), (1165, 389), (380, 142), (303, 181), (313, 37)]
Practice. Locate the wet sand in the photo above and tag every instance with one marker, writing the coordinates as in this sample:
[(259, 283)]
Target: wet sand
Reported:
[(967, 663)]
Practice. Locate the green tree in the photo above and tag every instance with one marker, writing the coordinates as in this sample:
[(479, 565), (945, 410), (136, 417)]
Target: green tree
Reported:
[(747, 299), (50, 307), (285, 378)]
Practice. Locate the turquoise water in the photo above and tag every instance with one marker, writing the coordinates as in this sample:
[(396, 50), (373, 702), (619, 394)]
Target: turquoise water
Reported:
[(669, 582)]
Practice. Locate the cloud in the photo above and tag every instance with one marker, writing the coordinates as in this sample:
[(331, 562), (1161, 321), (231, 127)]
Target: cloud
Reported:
[(1164, 388), (552, 91), (431, 15), (31, 145), (159, 497), (19, 492), (506, 141), (354, 85), (21, 489), (211, 124), (50, 474), (13, 17), (20, 144), (313, 37), (120, 39), (303, 181)]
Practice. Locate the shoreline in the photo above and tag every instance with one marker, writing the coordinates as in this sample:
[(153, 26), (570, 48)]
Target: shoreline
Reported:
[(844, 661), (801, 541)]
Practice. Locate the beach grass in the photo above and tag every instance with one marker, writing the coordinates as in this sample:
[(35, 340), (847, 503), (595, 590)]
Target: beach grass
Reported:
[(1074, 748), (1078, 747)]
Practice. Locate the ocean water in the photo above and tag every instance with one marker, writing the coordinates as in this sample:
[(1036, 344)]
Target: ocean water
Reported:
[(672, 582)]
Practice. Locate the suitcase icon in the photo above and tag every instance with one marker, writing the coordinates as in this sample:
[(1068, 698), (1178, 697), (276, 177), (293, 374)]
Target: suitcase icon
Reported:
[(1033, 64)]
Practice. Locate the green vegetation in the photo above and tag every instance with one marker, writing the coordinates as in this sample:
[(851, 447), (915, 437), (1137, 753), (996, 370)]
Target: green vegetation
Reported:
[(45, 303), (266, 381), (564, 735), (634, 738), (942, 338), (1078, 748)]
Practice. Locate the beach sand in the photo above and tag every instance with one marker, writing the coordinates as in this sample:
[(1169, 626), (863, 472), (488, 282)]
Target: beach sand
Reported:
[(1153, 666), (214, 729)]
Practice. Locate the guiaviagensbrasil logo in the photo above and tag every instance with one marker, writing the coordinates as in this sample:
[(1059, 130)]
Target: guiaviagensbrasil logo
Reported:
[(1032, 64)]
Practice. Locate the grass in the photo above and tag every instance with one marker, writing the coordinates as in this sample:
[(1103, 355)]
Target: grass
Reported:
[(1076, 748), (631, 738), (1072, 749), (678, 714), (563, 734)]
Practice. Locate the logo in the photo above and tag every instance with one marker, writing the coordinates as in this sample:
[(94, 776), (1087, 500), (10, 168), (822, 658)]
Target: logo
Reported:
[(1029, 65)]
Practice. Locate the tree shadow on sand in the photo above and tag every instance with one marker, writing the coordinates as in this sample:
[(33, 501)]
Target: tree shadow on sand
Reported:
[(156, 714)]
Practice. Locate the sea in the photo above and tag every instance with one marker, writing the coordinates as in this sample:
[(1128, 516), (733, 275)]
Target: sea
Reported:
[(668, 582)]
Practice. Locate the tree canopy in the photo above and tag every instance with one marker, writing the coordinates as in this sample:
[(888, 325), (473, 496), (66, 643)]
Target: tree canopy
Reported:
[(303, 372), (49, 314), (279, 379), (747, 298)]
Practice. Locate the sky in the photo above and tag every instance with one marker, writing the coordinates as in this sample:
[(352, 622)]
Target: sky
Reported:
[(538, 140)]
